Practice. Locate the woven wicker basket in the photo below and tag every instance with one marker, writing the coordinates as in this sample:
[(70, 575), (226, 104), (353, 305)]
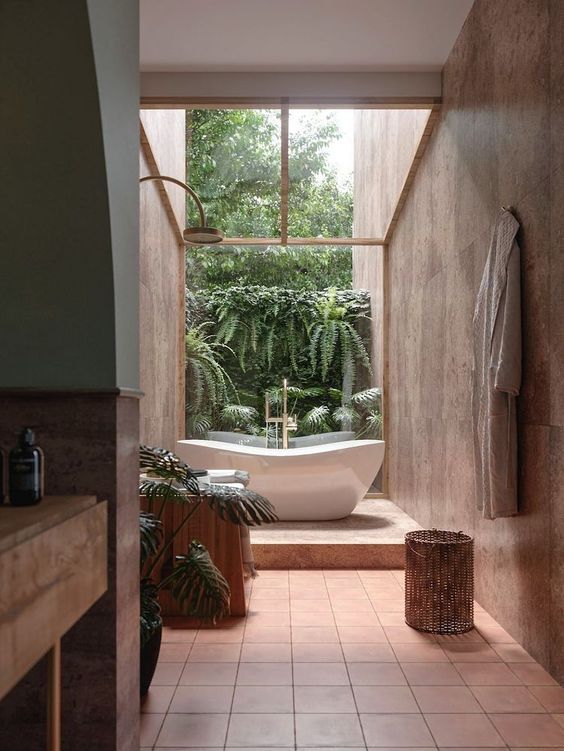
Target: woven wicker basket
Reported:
[(439, 581)]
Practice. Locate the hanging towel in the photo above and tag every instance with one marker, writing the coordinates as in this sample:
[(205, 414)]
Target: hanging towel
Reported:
[(497, 373)]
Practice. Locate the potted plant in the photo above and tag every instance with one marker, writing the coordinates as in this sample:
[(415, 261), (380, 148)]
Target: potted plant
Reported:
[(194, 581)]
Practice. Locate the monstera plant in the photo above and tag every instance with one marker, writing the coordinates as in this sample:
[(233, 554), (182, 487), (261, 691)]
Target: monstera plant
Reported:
[(193, 580)]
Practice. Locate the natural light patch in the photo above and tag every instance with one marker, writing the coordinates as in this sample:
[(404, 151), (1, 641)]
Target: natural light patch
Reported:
[(386, 142), (320, 172)]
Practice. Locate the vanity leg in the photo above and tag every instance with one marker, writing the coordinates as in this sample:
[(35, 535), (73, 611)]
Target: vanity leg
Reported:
[(54, 697)]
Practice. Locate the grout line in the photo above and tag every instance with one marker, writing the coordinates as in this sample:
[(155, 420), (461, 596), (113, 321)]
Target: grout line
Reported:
[(404, 675), (230, 713), (347, 665)]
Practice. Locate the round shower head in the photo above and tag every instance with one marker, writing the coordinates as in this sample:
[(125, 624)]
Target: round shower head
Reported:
[(202, 235)]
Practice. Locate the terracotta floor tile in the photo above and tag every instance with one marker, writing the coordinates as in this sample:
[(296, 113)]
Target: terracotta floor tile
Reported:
[(311, 606), (221, 636), (495, 635), (320, 699), (252, 730), (424, 652), (512, 653), (391, 619), (175, 651), (280, 583), (343, 573), (269, 593), (270, 652), (395, 730), (559, 719), (328, 730), (368, 652), (265, 674), (431, 674), (345, 606), (193, 730), (215, 653), (386, 699), (362, 634), (318, 620), (387, 605), (259, 699), (529, 729), (271, 573), (468, 636), (551, 697), (456, 730), (507, 699), (267, 634), (346, 618), (158, 699), (308, 594), (443, 699), (178, 634), (261, 618), (344, 582), (317, 653), (471, 652), (376, 674), (532, 674), (202, 699), (312, 635), (346, 601), (209, 674), (487, 674), (320, 674), (167, 673), (273, 605), (150, 724), (384, 591), (404, 634)]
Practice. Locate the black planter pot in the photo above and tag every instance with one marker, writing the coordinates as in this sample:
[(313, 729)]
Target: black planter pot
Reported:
[(149, 656)]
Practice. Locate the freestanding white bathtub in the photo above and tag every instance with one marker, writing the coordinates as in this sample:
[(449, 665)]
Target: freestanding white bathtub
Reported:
[(304, 484)]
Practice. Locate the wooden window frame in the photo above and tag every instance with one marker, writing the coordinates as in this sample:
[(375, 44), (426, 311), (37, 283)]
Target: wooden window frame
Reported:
[(284, 105)]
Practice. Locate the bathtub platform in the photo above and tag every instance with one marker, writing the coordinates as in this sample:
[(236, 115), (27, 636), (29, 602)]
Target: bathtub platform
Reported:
[(371, 537)]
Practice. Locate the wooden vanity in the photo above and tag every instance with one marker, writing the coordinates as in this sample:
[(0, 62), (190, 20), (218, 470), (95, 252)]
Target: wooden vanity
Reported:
[(53, 564)]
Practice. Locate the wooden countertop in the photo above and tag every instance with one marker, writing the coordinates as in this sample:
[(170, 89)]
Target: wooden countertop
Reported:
[(53, 559), (19, 523)]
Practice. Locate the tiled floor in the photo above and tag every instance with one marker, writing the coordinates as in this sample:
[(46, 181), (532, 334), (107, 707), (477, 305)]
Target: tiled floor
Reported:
[(325, 660)]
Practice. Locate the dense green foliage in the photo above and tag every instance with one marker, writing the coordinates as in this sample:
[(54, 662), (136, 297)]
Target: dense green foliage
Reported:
[(258, 314), (233, 163), (303, 268)]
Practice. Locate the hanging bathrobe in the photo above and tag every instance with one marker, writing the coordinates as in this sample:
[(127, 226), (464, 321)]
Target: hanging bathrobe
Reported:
[(497, 373)]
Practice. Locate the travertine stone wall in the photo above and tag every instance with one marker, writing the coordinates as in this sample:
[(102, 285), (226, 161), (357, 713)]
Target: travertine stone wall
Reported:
[(162, 282), (499, 141)]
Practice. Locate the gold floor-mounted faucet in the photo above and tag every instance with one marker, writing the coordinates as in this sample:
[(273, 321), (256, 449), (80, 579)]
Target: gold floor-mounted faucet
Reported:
[(288, 422)]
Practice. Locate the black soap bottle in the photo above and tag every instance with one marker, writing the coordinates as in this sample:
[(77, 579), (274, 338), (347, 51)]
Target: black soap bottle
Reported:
[(25, 471)]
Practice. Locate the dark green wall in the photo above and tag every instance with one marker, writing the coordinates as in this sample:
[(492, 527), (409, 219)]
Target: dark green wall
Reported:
[(69, 194)]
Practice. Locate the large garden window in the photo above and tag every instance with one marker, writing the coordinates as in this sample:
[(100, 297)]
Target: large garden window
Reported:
[(306, 198)]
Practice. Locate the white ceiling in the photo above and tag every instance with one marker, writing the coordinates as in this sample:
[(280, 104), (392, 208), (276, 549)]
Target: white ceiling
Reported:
[(299, 35)]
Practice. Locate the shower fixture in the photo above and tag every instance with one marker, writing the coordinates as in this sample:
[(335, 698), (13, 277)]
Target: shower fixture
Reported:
[(201, 235)]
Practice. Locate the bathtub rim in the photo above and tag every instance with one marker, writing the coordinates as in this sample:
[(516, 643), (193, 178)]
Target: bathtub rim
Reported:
[(322, 448)]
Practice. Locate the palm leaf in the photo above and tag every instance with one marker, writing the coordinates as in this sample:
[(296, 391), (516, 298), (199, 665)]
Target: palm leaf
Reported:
[(239, 506), (198, 585), (164, 464), (151, 531), (315, 419)]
